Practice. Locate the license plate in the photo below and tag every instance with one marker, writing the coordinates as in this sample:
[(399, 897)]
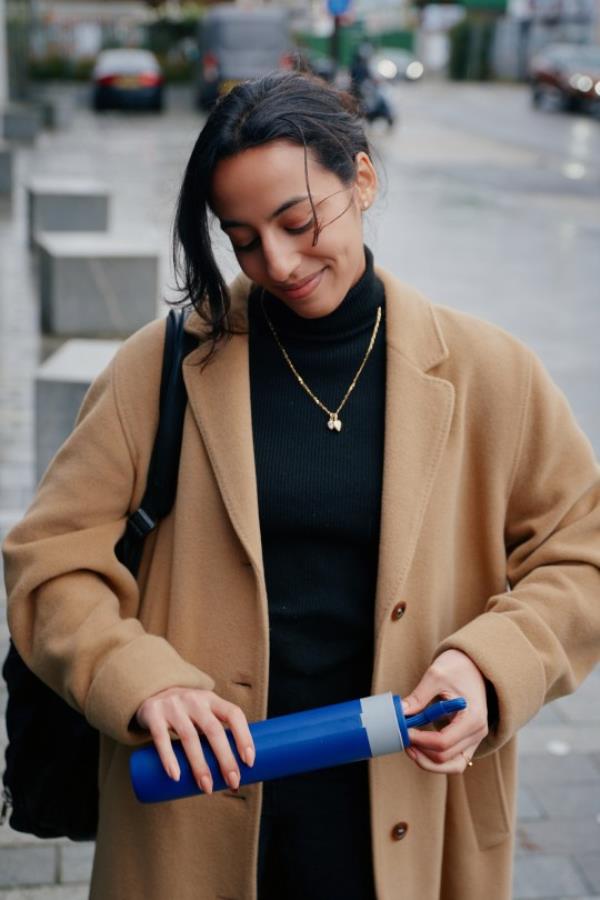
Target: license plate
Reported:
[(227, 85), (127, 81)]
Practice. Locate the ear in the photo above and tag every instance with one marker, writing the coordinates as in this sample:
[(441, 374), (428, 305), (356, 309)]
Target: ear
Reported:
[(365, 179)]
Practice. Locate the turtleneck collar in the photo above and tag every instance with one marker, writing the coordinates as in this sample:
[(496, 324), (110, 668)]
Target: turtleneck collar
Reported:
[(355, 313)]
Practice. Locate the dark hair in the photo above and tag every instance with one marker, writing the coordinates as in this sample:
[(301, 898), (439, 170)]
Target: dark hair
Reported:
[(291, 106)]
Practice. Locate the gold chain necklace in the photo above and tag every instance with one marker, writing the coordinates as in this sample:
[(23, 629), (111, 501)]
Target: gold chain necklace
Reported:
[(334, 423)]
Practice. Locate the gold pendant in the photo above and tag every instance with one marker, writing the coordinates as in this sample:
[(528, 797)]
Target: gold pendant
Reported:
[(334, 423)]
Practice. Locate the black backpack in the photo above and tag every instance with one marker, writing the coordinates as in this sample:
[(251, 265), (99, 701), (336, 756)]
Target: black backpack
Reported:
[(51, 775)]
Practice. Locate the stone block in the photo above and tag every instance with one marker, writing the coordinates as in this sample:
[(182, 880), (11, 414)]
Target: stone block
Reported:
[(27, 865), (96, 285), (49, 892), (60, 386), (66, 204), (21, 122), (76, 862), (6, 169)]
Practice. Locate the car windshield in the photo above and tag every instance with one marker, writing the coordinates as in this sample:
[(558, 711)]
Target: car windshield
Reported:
[(582, 55), (589, 56)]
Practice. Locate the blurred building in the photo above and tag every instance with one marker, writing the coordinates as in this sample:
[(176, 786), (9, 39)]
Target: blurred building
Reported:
[(15, 28)]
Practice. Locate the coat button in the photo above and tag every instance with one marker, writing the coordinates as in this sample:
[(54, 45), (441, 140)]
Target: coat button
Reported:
[(398, 611), (399, 831)]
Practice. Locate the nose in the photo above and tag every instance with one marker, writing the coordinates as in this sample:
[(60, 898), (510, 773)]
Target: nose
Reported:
[(282, 259)]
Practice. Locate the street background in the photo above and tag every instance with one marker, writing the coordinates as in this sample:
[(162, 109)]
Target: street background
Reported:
[(486, 205)]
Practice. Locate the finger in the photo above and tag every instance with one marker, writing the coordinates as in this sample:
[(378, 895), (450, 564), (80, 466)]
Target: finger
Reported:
[(455, 766), (446, 755), (215, 734), (462, 726), (164, 747), (238, 723), (187, 732), (428, 688), (443, 745)]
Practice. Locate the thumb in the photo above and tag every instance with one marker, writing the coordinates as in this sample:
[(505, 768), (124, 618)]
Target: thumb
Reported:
[(422, 695)]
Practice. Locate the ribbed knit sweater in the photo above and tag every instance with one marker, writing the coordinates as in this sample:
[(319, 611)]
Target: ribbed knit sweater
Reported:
[(319, 493)]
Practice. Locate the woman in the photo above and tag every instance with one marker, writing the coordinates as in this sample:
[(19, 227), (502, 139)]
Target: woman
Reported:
[(374, 494)]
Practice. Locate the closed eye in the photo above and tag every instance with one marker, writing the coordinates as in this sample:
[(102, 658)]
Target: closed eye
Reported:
[(301, 229)]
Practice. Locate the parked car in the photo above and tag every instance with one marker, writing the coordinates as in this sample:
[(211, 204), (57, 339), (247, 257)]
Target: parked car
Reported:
[(392, 64), (127, 79), (566, 76), (237, 44)]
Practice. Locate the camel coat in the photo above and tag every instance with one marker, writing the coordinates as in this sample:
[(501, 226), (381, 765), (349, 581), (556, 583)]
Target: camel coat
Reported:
[(490, 536)]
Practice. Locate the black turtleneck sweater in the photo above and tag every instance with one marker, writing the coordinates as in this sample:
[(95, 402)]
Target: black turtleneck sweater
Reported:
[(319, 493)]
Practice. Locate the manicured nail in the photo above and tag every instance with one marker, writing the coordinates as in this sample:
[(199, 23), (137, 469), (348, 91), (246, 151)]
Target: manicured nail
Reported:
[(174, 772), (249, 756), (233, 780), (206, 783)]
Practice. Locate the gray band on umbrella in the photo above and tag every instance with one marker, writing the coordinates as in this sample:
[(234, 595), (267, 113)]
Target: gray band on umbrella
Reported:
[(378, 716)]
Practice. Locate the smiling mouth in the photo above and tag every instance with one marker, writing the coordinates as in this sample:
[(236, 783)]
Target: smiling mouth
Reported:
[(300, 284)]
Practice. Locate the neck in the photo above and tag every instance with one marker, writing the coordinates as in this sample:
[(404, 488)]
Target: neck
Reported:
[(355, 313)]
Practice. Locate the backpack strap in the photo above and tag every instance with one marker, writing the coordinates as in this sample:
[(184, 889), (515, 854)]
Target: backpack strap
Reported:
[(161, 483)]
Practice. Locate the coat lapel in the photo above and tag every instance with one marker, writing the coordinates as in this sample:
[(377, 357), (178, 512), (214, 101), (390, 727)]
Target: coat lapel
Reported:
[(419, 411), (219, 397)]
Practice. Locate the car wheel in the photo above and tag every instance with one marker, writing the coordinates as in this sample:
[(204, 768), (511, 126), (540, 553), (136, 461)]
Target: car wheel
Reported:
[(536, 96), (97, 104), (550, 98)]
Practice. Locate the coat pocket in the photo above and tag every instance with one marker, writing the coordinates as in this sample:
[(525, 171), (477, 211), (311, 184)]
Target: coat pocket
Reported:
[(486, 797)]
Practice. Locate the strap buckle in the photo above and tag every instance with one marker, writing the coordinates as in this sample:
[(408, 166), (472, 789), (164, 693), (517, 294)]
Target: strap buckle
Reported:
[(141, 522)]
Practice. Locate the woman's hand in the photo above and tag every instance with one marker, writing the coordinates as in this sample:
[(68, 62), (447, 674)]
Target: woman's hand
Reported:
[(184, 711), (449, 750)]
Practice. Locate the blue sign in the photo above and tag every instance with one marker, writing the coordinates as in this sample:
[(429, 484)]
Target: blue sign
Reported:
[(338, 7)]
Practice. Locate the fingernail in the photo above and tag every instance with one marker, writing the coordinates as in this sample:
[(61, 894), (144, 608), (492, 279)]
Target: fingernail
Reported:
[(233, 780), (174, 773), (206, 782), (249, 756)]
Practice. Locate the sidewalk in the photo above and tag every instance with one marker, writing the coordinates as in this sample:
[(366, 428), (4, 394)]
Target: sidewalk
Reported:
[(558, 833)]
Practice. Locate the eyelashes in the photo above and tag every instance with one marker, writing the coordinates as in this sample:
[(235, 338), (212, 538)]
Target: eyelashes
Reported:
[(302, 229)]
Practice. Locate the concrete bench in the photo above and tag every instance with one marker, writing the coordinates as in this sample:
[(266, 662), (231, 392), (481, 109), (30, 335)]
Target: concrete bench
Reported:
[(66, 204), (96, 285), (60, 386), (6, 169), (21, 122)]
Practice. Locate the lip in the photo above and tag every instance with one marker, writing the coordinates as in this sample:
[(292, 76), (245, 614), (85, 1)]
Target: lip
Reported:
[(303, 288)]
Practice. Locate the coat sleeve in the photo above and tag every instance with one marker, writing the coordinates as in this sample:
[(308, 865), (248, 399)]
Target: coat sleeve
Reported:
[(72, 605), (539, 639)]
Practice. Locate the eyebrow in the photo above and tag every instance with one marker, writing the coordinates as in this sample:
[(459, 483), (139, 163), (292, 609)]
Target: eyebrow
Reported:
[(233, 223)]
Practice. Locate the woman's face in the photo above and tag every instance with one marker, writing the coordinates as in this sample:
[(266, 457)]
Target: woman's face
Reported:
[(260, 197)]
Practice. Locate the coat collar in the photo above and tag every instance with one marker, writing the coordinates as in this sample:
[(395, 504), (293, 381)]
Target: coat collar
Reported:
[(419, 410), (412, 326)]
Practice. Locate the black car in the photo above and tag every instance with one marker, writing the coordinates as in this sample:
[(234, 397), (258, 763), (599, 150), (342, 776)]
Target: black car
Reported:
[(127, 79)]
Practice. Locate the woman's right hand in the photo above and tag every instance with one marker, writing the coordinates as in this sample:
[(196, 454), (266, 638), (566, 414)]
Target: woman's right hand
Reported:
[(184, 711)]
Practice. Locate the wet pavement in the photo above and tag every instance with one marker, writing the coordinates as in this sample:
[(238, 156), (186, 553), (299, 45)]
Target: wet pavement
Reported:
[(487, 206)]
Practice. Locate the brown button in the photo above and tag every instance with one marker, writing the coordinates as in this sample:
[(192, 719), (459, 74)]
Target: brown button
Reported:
[(399, 831), (398, 611)]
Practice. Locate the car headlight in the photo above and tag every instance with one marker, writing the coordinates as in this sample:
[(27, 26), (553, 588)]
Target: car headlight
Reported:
[(597, 88), (414, 70), (387, 68), (581, 82)]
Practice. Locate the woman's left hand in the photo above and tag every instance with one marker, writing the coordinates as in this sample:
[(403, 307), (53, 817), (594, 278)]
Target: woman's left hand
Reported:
[(449, 750)]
